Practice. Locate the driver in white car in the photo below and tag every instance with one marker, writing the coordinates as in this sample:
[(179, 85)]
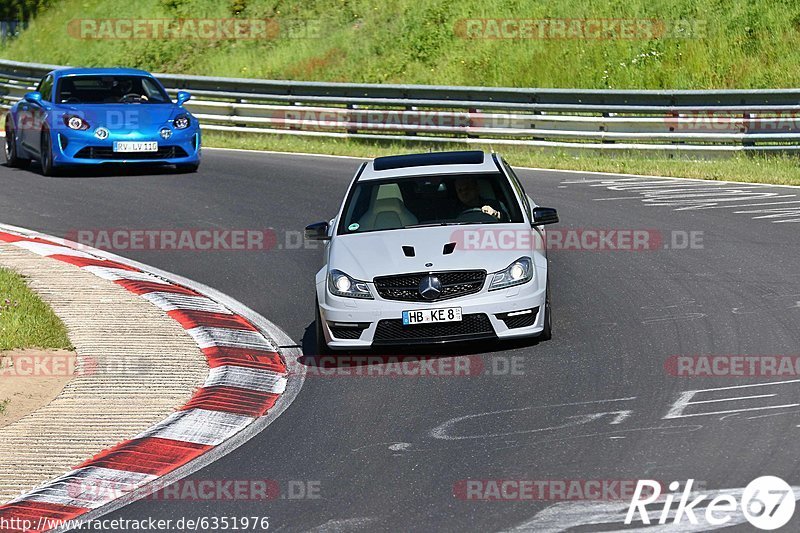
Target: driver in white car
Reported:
[(469, 195)]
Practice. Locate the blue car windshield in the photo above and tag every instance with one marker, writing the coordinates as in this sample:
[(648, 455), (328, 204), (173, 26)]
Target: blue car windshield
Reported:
[(110, 90)]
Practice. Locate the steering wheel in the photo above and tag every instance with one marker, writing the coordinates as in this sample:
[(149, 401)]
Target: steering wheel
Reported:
[(475, 214), (131, 96)]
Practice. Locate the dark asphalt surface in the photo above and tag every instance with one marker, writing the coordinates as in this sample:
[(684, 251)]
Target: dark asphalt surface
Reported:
[(369, 443)]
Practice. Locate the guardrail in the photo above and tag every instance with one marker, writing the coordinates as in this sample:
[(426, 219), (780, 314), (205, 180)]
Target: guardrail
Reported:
[(697, 122)]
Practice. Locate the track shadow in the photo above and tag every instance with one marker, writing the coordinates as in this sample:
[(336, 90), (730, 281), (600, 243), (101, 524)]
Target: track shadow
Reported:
[(107, 170), (401, 353)]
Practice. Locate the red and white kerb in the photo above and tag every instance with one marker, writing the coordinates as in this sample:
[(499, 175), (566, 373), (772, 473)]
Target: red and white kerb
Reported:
[(247, 375)]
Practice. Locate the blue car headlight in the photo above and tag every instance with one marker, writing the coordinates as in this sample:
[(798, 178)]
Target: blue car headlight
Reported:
[(517, 273), (181, 122), (75, 122), (341, 284)]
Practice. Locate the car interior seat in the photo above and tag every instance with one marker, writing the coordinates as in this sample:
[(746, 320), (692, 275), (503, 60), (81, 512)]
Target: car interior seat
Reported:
[(387, 210)]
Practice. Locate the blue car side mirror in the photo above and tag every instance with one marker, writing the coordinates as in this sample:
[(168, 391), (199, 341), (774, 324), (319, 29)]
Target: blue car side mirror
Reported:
[(34, 97), (183, 97)]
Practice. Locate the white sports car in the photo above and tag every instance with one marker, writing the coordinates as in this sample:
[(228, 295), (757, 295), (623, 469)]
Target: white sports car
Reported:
[(433, 248)]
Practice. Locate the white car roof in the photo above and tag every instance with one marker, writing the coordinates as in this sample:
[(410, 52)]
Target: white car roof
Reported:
[(467, 162)]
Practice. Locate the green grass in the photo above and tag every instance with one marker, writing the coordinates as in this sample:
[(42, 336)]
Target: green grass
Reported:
[(25, 320), (783, 170), (736, 44)]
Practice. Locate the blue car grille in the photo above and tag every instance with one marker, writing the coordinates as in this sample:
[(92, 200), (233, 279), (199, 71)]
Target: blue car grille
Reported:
[(98, 152)]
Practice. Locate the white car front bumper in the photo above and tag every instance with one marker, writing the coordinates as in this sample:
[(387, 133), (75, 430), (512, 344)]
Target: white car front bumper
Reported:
[(361, 320)]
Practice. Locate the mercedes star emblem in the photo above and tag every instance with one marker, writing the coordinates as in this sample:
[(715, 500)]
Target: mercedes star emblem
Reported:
[(430, 287)]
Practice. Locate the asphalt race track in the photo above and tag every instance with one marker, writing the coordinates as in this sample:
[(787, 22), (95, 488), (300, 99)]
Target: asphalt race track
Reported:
[(595, 403)]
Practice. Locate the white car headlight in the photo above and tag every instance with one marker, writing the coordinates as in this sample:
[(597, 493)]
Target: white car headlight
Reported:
[(341, 284), (517, 273)]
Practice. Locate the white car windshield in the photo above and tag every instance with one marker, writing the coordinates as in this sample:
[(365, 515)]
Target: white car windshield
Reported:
[(375, 205)]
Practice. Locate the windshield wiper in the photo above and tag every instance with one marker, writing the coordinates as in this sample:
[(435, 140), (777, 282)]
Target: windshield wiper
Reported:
[(435, 224)]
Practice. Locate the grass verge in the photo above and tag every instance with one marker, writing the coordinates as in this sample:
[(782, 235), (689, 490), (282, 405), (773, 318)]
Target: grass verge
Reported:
[(688, 44), (772, 169), (25, 320)]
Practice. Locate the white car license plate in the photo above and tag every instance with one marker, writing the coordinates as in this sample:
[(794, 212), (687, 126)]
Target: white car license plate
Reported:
[(426, 316), (129, 146)]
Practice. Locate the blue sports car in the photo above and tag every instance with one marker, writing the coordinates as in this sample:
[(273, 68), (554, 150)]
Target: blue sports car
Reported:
[(90, 116)]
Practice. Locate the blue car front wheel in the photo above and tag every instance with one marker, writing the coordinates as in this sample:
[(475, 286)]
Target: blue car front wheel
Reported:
[(46, 158)]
